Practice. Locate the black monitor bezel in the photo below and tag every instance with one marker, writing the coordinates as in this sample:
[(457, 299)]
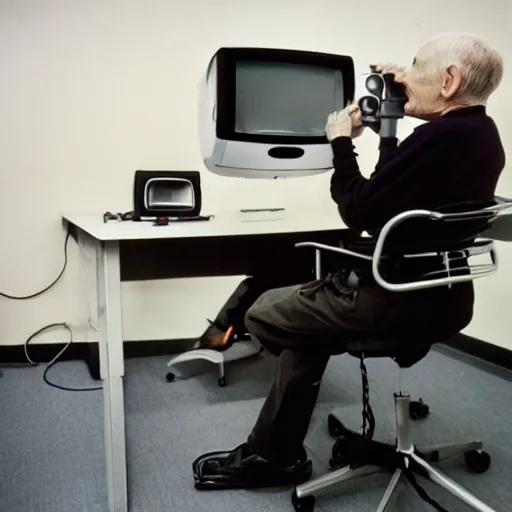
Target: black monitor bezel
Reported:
[(226, 87)]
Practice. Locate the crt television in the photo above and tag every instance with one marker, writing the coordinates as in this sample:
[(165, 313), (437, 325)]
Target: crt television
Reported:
[(262, 111)]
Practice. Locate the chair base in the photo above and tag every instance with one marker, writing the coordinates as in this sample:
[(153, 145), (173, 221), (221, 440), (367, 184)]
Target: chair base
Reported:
[(365, 458)]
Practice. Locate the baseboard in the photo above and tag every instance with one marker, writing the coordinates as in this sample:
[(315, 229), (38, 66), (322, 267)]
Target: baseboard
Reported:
[(482, 350), (42, 352), (89, 353), (133, 349)]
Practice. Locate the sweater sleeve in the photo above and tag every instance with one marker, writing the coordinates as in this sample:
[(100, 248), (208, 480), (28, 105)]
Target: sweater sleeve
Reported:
[(402, 177), (388, 148)]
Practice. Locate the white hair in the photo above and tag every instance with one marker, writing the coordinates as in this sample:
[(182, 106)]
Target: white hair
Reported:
[(480, 64)]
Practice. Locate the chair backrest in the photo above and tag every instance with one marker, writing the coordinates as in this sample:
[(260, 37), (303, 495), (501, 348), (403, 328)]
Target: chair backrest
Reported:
[(441, 242), (438, 245), (455, 233)]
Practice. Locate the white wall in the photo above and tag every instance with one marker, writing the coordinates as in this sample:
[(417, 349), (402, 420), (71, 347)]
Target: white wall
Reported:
[(92, 91)]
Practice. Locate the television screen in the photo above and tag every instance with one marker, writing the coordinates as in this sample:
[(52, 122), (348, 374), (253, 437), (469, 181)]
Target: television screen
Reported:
[(285, 98), (275, 96), (262, 111)]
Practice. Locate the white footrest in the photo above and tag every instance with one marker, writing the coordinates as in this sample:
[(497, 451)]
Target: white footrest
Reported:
[(239, 350)]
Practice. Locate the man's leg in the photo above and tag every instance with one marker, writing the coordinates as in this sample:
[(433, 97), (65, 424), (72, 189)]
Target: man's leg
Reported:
[(304, 325), (283, 422), (291, 268), (259, 462)]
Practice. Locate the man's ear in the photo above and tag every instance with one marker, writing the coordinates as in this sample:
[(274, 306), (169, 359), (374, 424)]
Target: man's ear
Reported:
[(452, 82)]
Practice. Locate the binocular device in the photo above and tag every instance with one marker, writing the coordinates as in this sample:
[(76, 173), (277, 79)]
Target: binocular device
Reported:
[(379, 97)]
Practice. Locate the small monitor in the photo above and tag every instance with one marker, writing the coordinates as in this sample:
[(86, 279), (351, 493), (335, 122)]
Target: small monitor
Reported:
[(263, 111), (166, 194)]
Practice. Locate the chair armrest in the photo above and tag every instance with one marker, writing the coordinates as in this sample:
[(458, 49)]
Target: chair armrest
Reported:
[(480, 227), (339, 250), (324, 247), (485, 246)]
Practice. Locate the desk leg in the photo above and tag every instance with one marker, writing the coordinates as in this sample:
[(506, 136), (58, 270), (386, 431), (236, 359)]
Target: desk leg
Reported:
[(112, 372)]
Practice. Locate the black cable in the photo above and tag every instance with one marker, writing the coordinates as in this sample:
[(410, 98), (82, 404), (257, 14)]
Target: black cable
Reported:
[(14, 297), (56, 358), (422, 493), (368, 416)]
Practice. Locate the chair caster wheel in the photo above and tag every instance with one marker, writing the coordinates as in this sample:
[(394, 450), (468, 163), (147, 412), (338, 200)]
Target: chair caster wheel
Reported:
[(418, 410), (477, 462), (170, 377), (222, 382), (306, 504)]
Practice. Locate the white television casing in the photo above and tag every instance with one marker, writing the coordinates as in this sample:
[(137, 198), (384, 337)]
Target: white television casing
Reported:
[(243, 159)]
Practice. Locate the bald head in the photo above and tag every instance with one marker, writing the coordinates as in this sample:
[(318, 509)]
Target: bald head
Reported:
[(480, 65), (449, 72)]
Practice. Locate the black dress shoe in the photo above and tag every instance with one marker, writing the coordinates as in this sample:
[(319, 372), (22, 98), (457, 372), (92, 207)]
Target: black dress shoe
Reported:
[(241, 468), (215, 338)]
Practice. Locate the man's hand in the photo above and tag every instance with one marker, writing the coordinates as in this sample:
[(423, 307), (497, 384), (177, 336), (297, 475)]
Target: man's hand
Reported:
[(345, 123)]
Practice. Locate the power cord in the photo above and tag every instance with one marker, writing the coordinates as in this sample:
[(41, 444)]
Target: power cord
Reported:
[(368, 416), (56, 358), (422, 493), (51, 326), (26, 297)]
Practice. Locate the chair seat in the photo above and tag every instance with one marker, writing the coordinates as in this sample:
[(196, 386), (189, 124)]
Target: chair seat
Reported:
[(405, 353)]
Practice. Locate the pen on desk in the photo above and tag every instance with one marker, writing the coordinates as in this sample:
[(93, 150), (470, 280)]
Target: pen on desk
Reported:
[(254, 210), (190, 219)]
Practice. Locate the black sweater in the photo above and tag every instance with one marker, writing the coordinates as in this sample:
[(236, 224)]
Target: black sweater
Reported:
[(454, 159)]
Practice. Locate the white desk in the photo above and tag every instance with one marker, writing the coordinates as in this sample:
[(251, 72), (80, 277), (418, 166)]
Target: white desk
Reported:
[(105, 238)]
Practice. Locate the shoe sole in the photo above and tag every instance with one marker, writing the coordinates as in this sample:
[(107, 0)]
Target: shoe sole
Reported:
[(205, 484), (213, 482)]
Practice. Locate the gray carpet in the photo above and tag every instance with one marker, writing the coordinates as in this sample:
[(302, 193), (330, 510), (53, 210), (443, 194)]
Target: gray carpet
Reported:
[(51, 451)]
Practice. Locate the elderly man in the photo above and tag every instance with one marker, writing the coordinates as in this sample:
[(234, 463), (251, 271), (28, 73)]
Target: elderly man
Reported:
[(456, 156)]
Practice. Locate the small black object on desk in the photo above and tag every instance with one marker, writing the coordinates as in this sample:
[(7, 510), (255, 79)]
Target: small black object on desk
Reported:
[(164, 221), (161, 221)]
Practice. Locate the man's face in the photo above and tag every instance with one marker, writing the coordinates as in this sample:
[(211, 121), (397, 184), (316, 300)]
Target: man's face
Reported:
[(423, 86)]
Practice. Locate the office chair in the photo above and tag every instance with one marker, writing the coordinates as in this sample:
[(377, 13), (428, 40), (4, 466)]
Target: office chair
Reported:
[(451, 236)]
